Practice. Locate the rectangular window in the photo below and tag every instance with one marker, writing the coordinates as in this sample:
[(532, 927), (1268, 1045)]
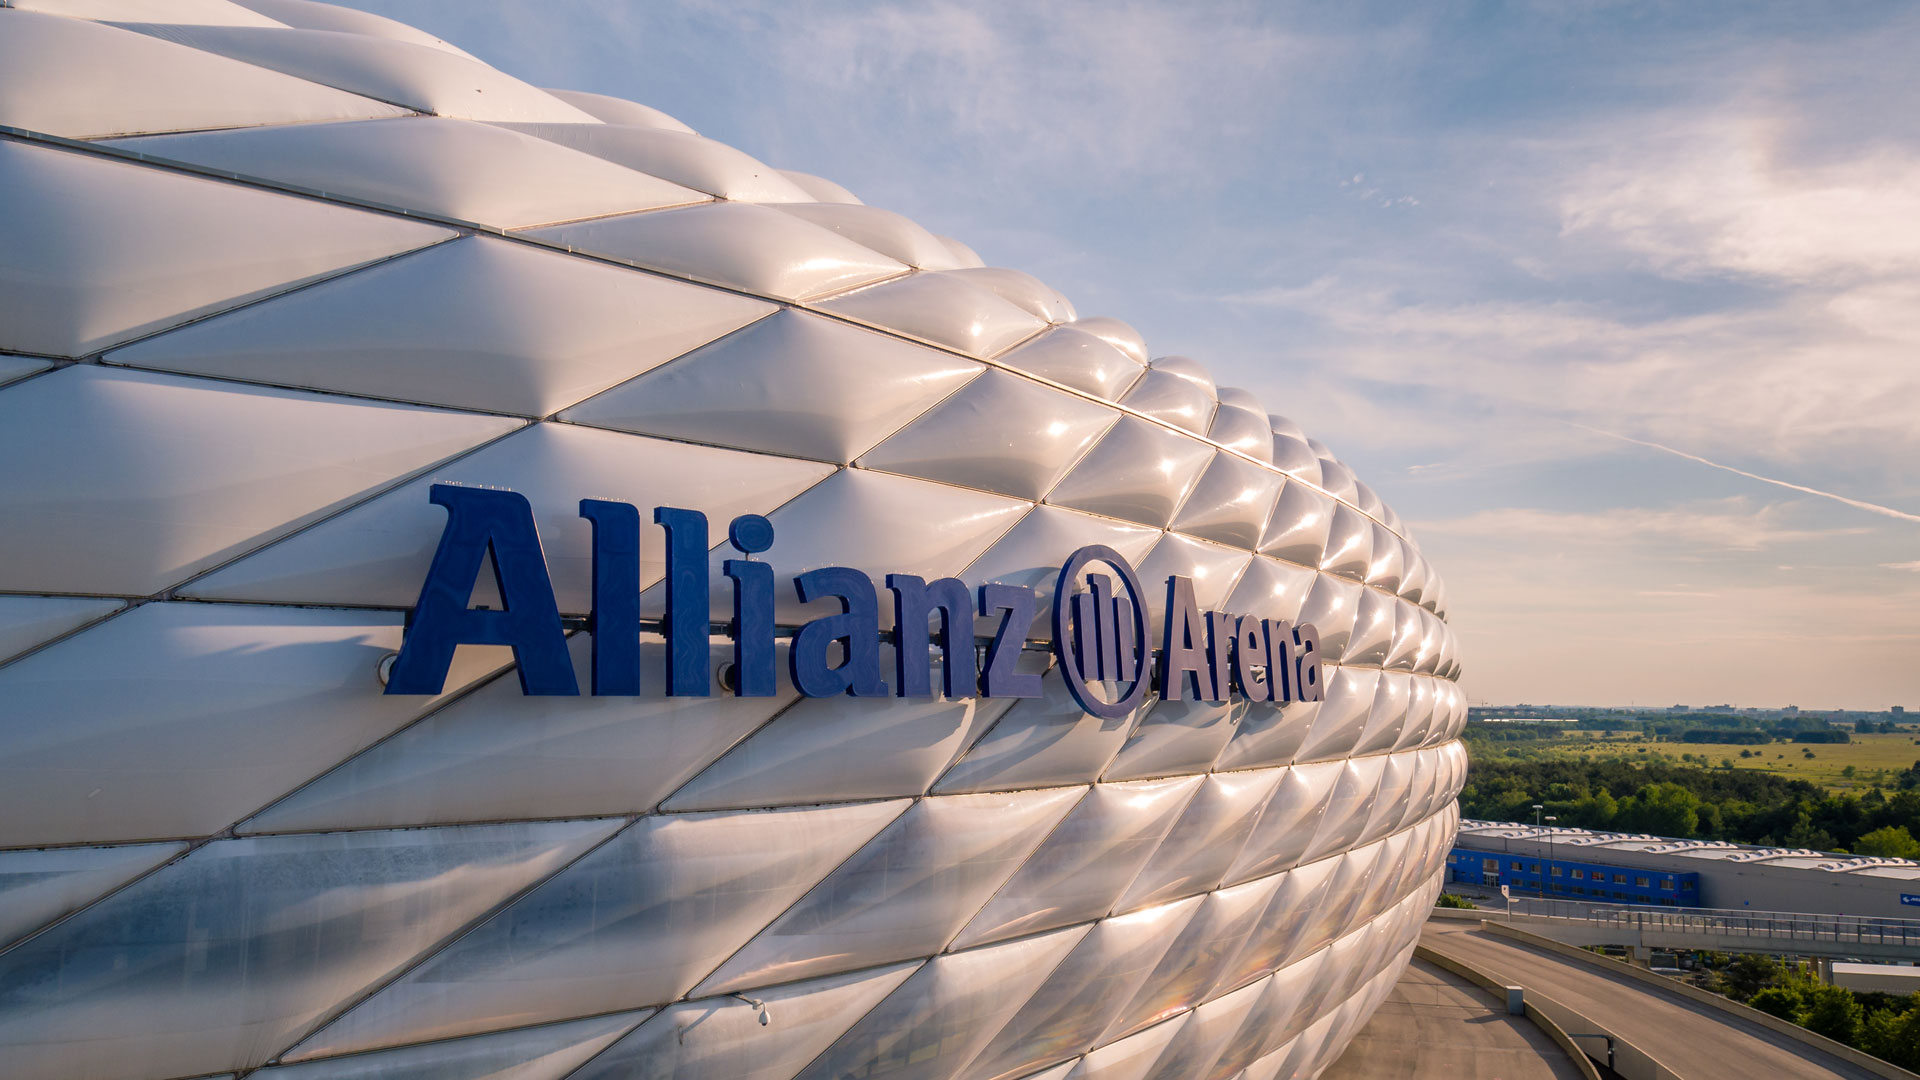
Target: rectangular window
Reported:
[(1579, 875), (1514, 866), (1556, 871), (1643, 882), (1489, 864), (1619, 879)]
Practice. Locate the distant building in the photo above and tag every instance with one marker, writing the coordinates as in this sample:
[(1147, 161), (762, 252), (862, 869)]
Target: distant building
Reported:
[(1722, 875), (1574, 879)]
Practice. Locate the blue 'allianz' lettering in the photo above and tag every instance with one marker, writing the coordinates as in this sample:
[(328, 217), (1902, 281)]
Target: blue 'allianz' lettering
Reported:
[(1100, 643)]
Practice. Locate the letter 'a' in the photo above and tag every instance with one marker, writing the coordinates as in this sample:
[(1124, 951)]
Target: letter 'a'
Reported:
[(482, 520)]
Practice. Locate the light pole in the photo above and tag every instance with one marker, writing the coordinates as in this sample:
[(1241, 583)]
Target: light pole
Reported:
[(1536, 826), (1549, 879)]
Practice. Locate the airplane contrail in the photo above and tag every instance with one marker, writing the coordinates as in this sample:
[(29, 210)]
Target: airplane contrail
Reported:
[(1872, 508)]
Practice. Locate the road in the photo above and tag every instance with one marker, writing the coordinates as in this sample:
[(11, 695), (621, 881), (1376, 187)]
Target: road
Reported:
[(1696, 1041), (1435, 1024)]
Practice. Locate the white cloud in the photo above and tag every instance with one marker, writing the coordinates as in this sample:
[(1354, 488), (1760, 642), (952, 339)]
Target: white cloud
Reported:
[(1806, 354), (1069, 91), (1719, 197), (1723, 525)]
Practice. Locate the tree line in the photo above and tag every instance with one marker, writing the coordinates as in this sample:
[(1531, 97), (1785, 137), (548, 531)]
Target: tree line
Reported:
[(1884, 1025), (1741, 805)]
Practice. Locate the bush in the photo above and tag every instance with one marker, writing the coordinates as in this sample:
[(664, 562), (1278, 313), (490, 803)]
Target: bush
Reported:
[(1893, 1036), (1785, 1002), (1832, 735), (1751, 973), (1451, 900), (1724, 737), (1832, 1011), (1889, 840)]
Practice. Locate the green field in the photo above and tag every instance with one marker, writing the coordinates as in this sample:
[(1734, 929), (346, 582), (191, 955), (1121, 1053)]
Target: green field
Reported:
[(1875, 759)]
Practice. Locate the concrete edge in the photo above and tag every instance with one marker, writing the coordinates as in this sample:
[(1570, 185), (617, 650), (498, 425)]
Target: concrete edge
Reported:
[(1693, 993), (1581, 1062), (1462, 914)]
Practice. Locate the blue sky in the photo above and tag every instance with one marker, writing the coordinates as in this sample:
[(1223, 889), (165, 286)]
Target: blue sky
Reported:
[(1552, 277)]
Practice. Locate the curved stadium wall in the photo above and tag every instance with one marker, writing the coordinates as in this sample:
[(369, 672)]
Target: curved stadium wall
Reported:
[(272, 271)]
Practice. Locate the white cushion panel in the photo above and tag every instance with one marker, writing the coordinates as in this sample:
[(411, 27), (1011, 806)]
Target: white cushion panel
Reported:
[(136, 84), (637, 922), (180, 475), (739, 245), (479, 323), (98, 252), (795, 384), (178, 719), (436, 165)]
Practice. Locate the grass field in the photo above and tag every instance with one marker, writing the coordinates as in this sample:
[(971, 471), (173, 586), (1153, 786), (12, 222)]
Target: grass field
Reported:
[(1875, 759)]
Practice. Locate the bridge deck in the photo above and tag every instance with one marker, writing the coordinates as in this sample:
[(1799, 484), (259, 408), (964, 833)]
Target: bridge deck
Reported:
[(1437, 1024), (1696, 1041)]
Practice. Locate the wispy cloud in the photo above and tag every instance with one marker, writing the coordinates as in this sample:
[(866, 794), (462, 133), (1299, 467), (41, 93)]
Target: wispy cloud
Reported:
[(1710, 289), (1076, 91), (1720, 525), (1858, 504), (1726, 197)]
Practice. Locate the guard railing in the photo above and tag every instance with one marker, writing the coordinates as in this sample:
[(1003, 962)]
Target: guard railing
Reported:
[(1782, 926)]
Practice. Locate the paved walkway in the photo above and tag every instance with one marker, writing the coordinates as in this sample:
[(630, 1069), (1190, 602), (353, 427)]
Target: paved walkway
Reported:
[(1696, 1041), (1438, 1025)]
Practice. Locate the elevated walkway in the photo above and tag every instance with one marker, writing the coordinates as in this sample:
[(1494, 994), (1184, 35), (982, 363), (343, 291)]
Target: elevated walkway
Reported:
[(1832, 937)]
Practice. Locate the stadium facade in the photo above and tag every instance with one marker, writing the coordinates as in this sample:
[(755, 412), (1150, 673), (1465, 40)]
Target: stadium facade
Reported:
[(307, 318)]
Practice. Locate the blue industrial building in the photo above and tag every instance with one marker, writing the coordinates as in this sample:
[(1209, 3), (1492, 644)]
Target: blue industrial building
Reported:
[(1526, 875)]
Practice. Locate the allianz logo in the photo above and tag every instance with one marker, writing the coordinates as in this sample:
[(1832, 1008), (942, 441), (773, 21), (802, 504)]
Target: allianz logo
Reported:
[(1099, 620)]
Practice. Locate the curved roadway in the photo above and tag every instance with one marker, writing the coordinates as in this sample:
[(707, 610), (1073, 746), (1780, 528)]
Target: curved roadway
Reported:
[(1696, 1041), (1435, 1024)]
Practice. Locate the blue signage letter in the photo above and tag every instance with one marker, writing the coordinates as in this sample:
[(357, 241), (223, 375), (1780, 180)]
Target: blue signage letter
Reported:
[(481, 520), (857, 624), (1183, 658), (687, 610), (1306, 664), (1003, 678), (616, 595), (914, 602), (1220, 630), (753, 667), (1250, 653), (1280, 670)]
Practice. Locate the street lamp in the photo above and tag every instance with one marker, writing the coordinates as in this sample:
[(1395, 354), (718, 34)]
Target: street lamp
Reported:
[(1536, 826), (1550, 830)]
